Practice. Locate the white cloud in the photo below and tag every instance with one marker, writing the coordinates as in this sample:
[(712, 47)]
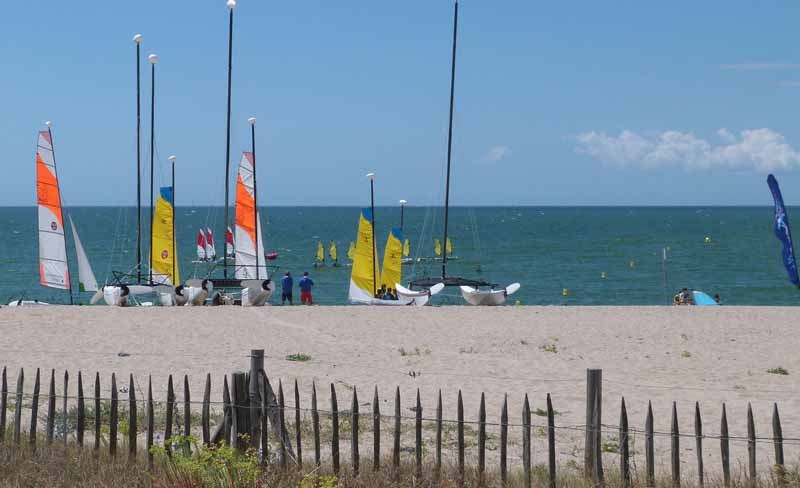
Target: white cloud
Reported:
[(759, 149), (497, 153), (760, 66)]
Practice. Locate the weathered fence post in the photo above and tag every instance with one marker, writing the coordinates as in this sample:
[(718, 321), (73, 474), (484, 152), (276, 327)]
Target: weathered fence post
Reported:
[(3, 406), (675, 446), (315, 423), (376, 431), (396, 444), (97, 411), (227, 412), (187, 417), (133, 428), (354, 435), (624, 453), (698, 435), (66, 412), (241, 411), (169, 416), (777, 436), (282, 423), (264, 421), (725, 452), (504, 442), (150, 422), (460, 414), (418, 436), (335, 430), (112, 429), (81, 428), (297, 425), (51, 408), (751, 447), (481, 439), (254, 393), (526, 441), (206, 413), (649, 448), (35, 410), (551, 441), (439, 425), (593, 461), (18, 407)]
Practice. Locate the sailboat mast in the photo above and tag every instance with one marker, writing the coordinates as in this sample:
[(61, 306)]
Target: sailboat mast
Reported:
[(153, 60), (138, 40), (372, 217), (174, 214), (231, 5), (252, 122), (61, 206), (450, 141)]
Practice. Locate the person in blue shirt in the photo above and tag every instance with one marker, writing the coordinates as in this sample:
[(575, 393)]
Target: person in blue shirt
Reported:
[(305, 285), (286, 288)]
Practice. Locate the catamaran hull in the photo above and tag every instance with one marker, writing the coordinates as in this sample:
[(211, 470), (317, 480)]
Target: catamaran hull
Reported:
[(27, 303), (487, 298)]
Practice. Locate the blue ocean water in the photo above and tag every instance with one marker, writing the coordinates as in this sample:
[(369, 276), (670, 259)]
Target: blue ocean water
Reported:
[(546, 249)]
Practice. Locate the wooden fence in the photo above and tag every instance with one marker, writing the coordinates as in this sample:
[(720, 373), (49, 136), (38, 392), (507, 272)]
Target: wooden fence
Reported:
[(254, 416)]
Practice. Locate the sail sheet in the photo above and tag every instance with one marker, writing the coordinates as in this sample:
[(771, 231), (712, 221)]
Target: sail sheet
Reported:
[(164, 252), (201, 246), (392, 271), (333, 252), (211, 251), (783, 232), (365, 263), (406, 248), (53, 267), (86, 279), (249, 260)]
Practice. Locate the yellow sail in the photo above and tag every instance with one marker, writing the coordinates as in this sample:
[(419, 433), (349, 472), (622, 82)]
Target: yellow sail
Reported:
[(164, 253), (449, 247), (437, 247), (364, 275), (320, 252), (392, 271), (406, 248), (351, 252), (333, 252)]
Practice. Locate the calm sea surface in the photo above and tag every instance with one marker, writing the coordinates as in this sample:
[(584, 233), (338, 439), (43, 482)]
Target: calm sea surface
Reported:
[(546, 249)]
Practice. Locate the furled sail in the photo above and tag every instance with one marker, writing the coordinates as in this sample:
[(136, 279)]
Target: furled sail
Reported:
[(783, 232), (211, 251), (333, 252), (250, 243), (365, 263), (201, 246), (391, 273), (164, 253), (53, 267), (86, 279)]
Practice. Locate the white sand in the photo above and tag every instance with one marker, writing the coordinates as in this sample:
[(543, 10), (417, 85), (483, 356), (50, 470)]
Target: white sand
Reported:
[(661, 354)]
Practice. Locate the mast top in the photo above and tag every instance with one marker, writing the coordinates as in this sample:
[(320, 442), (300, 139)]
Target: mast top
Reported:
[(48, 124), (403, 202), (172, 158), (231, 4), (251, 121), (153, 58), (371, 176), (137, 38)]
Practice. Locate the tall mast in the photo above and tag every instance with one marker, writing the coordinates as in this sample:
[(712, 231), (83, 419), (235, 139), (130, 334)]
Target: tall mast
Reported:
[(371, 177), (153, 60), (174, 237), (55, 169), (252, 122), (138, 40), (231, 5), (450, 141)]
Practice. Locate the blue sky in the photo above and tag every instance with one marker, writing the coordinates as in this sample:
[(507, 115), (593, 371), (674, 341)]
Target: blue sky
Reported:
[(557, 103)]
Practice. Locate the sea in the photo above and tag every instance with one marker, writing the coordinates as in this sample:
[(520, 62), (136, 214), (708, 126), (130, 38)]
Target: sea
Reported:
[(560, 255)]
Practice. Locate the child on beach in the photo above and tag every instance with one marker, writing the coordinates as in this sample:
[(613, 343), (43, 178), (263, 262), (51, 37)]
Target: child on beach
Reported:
[(305, 289)]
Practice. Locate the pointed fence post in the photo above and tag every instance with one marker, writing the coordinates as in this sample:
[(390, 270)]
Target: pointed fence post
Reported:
[(675, 447), (526, 441), (187, 417), (64, 409), (18, 406), (354, 436), (396, 446), (133, 414), (169, 416), (113, 420), (504, 442), (649, 448), (418, 436), (150, 422), (254, 394), (227, 409), (481, 440), (282, 423), (297, 426), (315, 424), (51, 408), (97, 412), (624, 453), (264, 420), (439, 425), (335, 430), (206, 413), (81, 411), (376, 431), (551, 441), (3, 406), (725, 450), (698, 435), (751, 447), (777, 436), (35, 410), (460, 414)]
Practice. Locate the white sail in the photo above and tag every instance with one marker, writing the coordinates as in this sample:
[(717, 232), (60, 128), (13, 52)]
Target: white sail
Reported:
[(211, 251), (201, 246), (86, 279), (249, 239), (53, 267)]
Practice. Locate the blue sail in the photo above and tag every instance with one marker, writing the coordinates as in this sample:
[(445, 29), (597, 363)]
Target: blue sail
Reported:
[(782, 231)]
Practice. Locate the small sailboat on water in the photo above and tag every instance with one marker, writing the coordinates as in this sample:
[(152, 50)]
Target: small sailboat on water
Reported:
[(319, 258), (333, 253)]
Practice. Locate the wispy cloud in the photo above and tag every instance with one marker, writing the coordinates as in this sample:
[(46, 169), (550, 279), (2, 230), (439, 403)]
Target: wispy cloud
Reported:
[(760, 66), (757, 149), (497, 153)]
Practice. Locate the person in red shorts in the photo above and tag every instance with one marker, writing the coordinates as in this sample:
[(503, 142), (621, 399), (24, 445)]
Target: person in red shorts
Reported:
[(305, 286)]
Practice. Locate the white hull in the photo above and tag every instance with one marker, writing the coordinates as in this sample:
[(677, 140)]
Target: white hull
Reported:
[(27, 303), (255, 293), (488, 298)]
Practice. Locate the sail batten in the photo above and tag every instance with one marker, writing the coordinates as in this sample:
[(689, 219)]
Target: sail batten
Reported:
[(249, 260), (53, 266)]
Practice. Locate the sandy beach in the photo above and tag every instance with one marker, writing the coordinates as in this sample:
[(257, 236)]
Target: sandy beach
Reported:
[(657, 354)]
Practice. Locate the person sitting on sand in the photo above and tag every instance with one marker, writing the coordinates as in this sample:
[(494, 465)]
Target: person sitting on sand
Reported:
[(684, 297)]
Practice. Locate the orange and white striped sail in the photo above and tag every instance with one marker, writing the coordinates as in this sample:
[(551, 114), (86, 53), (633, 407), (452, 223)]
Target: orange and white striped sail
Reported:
[(249, 240), (53, 267)]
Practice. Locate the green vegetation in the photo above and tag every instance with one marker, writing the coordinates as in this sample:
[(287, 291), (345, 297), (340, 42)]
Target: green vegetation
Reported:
[(416, 352), (299, 357), (549, 347), (686, 354), (779, 370)]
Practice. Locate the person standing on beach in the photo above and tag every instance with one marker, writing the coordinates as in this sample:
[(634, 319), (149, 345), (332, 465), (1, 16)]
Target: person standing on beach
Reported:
[(305, 285), (286, 288)]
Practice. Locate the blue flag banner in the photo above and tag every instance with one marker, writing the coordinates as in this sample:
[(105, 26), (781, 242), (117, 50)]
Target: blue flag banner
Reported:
[(782, 231)]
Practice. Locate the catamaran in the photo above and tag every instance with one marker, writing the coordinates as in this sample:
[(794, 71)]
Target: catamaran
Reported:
[(364, 277), (475, 292), (53, 260)]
